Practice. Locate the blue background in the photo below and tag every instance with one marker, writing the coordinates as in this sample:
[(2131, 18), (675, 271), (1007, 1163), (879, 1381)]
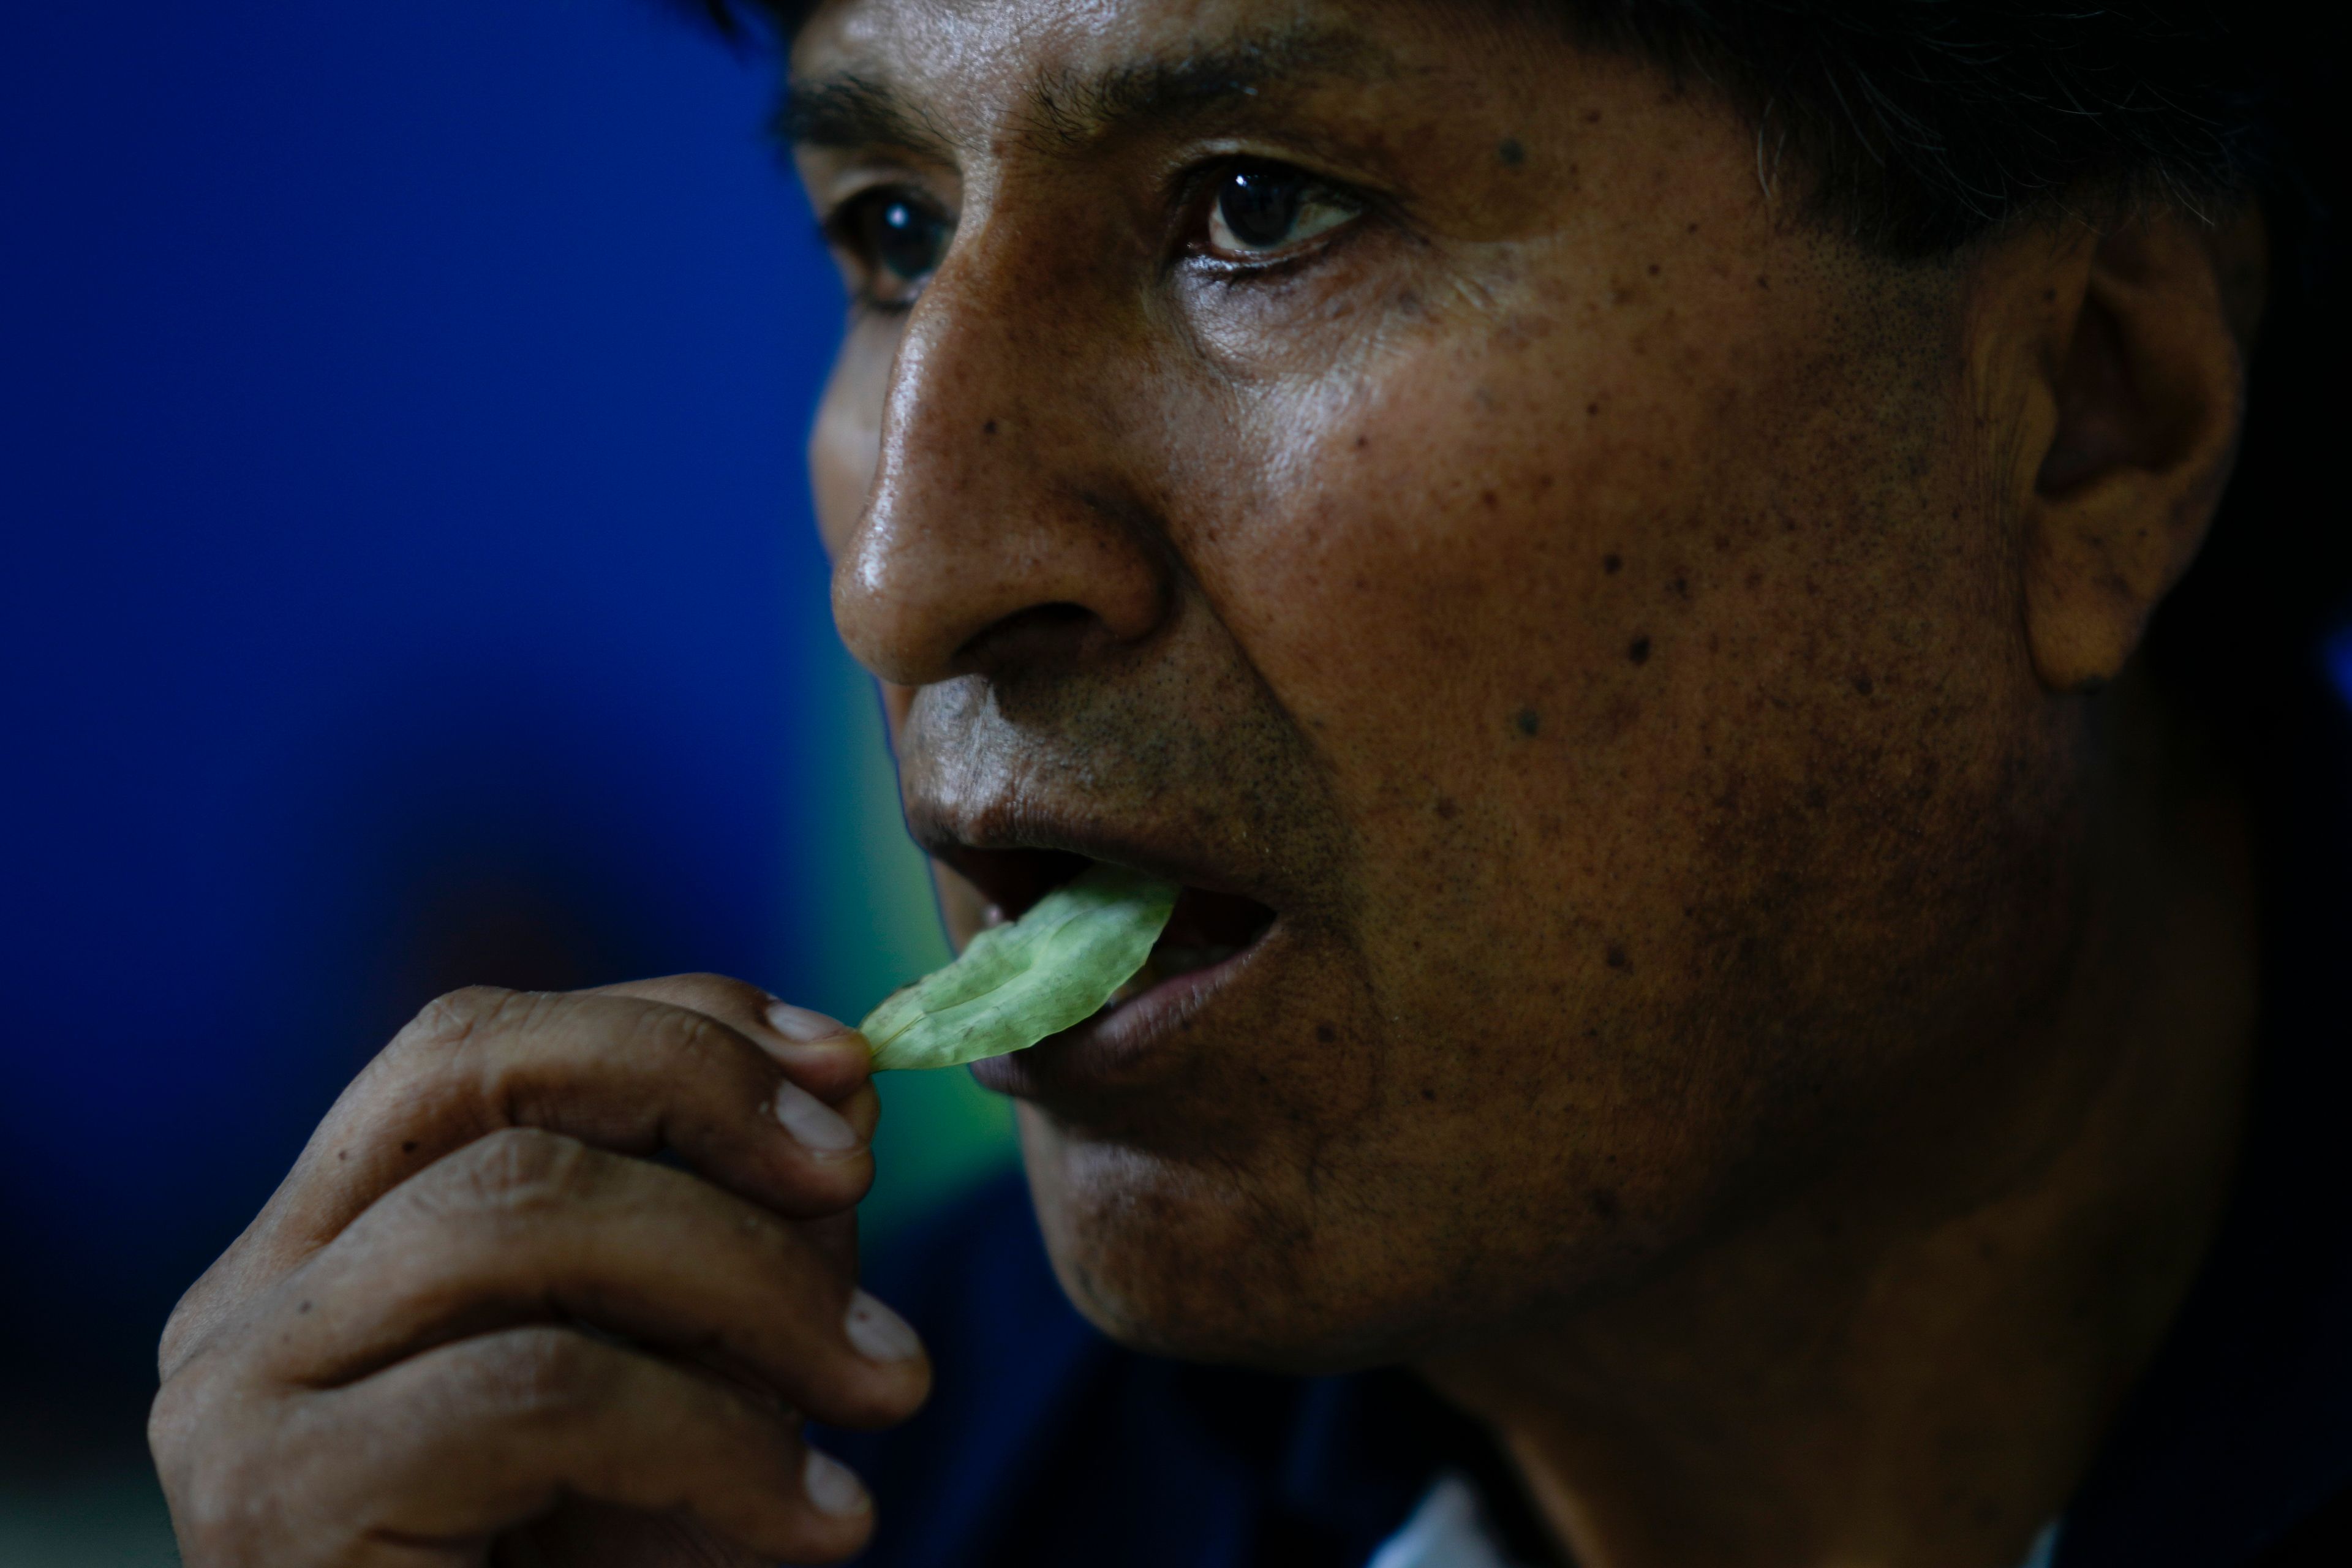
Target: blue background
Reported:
[(408, 582)]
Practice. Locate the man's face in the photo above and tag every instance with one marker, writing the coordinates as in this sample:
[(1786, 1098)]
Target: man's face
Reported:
[(1407, 480)]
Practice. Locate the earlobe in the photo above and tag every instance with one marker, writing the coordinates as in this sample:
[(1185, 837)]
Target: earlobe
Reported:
[(2142, 406)]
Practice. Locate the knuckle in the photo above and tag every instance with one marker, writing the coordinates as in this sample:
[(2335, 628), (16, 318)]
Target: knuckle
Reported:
[(203, 1355), (449, 1022), (207, 1311), (723, 994), (463, 1026), (543, 1372), (183, 1329), (520, 1171), (676, 1029), (695, 1052), (439, 1053), (171, 1418), (209, 1459)]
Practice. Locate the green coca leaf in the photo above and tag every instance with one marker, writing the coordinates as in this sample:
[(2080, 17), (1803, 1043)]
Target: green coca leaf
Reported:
[(1017, 984)]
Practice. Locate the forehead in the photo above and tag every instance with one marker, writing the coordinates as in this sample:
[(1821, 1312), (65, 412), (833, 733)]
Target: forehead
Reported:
[(1061, 57), (946, 39)]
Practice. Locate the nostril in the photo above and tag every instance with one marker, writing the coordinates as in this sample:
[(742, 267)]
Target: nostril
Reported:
[(1050, 617), (1040, 630)]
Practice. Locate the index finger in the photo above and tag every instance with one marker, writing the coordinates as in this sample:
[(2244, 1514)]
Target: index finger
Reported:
[(625, 1073), (823, 1055), (630, 1074)]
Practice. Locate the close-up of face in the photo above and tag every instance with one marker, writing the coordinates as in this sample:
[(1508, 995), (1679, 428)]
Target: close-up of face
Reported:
[(1427, 487)]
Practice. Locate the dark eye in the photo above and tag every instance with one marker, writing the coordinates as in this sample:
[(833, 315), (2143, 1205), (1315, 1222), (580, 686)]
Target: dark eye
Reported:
[(898, 238), (1261, 208)]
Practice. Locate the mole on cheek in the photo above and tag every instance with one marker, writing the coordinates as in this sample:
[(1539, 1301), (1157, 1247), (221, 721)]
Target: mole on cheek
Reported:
[(1525, 721), (1511, 153), (1640, 652)]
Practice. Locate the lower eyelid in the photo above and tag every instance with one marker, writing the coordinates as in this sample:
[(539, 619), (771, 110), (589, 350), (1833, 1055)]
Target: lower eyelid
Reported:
[(1237, 272), (1296, 250)]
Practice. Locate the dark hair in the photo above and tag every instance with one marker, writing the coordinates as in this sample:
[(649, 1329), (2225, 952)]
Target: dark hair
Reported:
[(1919, 126)]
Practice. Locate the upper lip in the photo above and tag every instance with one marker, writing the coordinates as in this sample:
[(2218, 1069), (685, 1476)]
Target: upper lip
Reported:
[(1011, 853)]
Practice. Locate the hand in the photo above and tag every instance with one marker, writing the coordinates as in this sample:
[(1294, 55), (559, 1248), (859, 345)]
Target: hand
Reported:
[(476, 1325)]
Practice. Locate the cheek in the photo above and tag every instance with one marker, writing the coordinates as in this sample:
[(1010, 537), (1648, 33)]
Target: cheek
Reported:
[(1643, 588), (1463, 524)]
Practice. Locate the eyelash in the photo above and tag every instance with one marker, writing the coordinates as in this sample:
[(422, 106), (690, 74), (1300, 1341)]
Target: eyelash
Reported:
[(1203, 188), (1198, 191), (840, 229)]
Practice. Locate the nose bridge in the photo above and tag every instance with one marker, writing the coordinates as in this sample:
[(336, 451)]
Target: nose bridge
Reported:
[(1002, 485)]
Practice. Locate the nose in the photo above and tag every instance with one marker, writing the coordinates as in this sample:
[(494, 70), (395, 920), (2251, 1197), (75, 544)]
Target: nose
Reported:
[(1006, 522)]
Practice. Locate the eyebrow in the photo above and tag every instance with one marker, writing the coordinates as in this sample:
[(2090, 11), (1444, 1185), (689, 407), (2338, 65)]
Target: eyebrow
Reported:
[(848, 111), (851, 110)]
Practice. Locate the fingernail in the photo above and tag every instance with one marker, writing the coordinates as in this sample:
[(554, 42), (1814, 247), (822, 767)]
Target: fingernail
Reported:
[(815, 1125), (833, 1487), (802, 1026), (879, 1333)]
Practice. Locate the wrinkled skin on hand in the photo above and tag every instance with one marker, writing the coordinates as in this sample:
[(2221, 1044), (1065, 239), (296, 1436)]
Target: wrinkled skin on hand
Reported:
[(476, 1325)]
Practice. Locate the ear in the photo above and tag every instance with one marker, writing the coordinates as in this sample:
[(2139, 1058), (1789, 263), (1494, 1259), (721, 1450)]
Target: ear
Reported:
[(2130, 426)]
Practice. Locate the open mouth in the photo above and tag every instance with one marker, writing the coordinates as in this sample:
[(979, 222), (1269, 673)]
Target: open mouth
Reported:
[(1208, 927)]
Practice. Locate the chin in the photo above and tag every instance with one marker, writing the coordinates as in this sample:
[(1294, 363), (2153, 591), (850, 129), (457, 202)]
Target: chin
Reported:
[(1217, 1263)]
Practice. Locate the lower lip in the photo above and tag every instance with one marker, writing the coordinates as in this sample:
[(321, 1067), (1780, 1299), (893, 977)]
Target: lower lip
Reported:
[(1112, 1043)]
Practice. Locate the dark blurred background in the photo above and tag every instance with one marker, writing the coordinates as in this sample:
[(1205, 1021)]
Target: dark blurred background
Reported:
[(408, 582)]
